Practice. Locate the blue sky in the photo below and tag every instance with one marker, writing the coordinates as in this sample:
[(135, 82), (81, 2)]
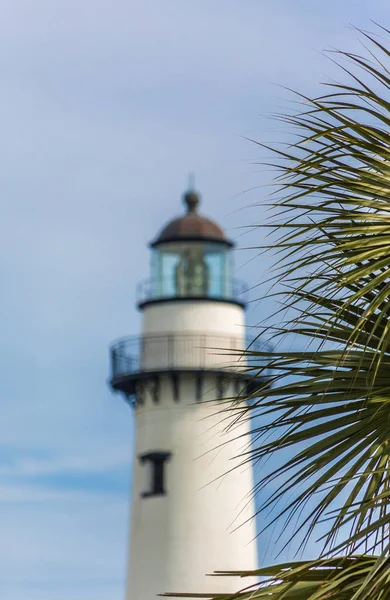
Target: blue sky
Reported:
[(105, 107)]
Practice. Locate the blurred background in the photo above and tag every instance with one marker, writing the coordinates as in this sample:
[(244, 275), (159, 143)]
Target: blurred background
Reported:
[(105, 107)]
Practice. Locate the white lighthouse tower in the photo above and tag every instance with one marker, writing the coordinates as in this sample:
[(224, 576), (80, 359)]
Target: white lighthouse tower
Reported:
[(192, 511)]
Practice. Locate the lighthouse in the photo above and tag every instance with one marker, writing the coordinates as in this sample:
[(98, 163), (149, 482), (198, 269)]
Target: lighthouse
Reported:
[(192, 509)]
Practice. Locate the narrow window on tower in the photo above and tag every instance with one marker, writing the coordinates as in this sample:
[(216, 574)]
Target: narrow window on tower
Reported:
[(157, 462)]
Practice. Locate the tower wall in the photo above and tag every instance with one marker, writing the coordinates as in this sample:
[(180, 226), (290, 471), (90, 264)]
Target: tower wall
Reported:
[(194, 316), (195, 334), (201, 523)]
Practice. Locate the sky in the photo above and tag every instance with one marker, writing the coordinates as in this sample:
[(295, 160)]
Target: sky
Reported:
[(105, 107)]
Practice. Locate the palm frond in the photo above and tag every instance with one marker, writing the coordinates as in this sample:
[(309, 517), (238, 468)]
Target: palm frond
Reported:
[(353, 578), (333, 200), (332, 403)]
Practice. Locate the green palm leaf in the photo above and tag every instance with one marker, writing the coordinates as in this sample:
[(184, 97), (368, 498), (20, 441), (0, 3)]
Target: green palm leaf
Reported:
[(333, 231)]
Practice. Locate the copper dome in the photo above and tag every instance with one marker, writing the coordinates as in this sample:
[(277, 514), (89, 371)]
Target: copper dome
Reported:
[(192, 226)]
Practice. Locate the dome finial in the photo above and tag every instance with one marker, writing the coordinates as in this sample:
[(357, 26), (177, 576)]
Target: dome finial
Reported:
[(191, 198)]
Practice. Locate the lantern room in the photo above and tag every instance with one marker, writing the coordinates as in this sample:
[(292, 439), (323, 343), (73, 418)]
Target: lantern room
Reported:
[(191, 258)]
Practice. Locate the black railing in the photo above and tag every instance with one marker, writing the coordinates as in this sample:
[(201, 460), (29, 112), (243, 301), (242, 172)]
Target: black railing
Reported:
[(185, 351), (156, 289)]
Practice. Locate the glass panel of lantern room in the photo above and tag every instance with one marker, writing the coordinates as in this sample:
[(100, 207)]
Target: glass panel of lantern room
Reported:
[(163, 266), (218, 258), (155, 282), (164, 262), (191, 269), (169, 262), (229, 272)]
